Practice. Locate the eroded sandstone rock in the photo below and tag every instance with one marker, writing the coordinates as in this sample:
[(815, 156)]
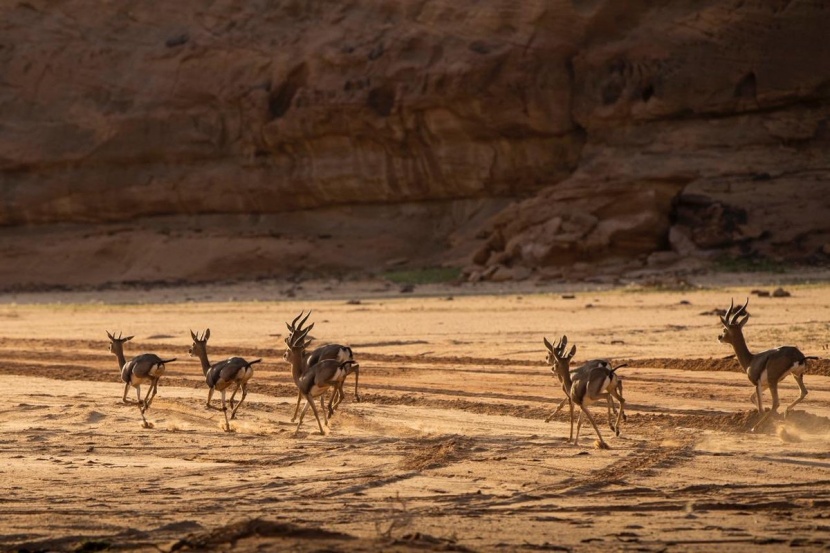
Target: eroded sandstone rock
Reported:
[(618, 128)]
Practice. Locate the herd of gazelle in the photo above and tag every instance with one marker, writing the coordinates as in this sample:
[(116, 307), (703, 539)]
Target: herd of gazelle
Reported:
[(327, 367), (314, 372)]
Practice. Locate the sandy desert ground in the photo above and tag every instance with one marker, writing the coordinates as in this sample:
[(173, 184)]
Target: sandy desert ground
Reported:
[(447, 450)]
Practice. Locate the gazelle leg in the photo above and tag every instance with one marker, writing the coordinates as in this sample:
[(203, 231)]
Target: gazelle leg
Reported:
[(126, 389), (339, 394), (571, 437), (619, 397), (155, 389), (759, 404), (578, 427), (225, 412), (302, 415), (333, 396), (143, 418), (310, 401), (602, 443), (356, 378), (773, 390), (233, 395), (241, 399), (148, 397), (775, 401), (610, 415), (323, 408), (559, 408), (151, 393), (297, 409), (759, 399), (210, 396), (561, 404), (325, 413), (610, 405), (336, 397), (799, 379), (142, 406), (621, 415)]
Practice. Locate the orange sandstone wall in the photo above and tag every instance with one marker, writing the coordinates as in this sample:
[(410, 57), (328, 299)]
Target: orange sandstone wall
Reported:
[(620, 128)]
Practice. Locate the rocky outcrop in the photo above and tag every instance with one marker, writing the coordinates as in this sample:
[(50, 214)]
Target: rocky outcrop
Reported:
[(619, 128), (121, 110), (735, 189), (707, 128)]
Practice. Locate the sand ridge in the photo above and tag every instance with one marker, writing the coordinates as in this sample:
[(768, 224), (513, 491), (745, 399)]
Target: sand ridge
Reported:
[(448, 448)]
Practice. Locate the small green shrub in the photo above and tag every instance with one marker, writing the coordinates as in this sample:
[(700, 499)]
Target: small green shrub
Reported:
[(728, 264)]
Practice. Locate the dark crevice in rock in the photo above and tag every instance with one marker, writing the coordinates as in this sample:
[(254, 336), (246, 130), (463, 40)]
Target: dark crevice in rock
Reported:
[(280, 99), (177, 40), (746, 87), (692, 115), (647, 93), (382, 100)]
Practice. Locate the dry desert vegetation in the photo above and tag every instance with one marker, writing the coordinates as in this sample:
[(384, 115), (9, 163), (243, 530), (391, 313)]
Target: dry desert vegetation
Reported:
[(448, 449)]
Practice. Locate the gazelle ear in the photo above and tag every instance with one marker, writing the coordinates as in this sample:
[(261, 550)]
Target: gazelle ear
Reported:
[(128, 338), (193, 336), (572, 353), (110, 336), (207, 335), (743, 321), (547, 344)]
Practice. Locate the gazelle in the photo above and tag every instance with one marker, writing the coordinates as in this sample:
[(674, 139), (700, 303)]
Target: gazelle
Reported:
[(312, 381), (222, 375), (583, 369), (587, 387), (330, 351), (340, 353), (767, 368), (147, 367)]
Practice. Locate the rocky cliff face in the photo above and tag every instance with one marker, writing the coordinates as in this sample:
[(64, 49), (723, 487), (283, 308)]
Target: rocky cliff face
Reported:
[(621, 128)]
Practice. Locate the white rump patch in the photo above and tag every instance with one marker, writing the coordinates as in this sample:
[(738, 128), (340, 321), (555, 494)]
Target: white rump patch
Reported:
[(606, 383)]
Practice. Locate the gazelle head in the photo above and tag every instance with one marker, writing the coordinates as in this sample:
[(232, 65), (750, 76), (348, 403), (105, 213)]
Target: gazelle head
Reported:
[(297, 339), (557, 358), (199, 343), (117, 344), (733, 323)]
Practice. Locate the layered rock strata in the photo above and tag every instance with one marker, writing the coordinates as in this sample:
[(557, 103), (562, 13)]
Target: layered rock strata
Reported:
[(618, 129)]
